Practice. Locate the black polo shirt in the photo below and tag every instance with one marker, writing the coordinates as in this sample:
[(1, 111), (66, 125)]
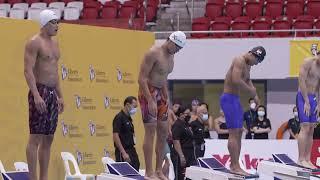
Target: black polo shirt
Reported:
[(294, 125), (122, 124), (198, 131), (182, 132), (261, 124)]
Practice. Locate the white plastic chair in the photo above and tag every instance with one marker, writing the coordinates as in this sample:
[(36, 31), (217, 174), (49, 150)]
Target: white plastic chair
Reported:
[(17, 13), (66, 157), (5, 6), (105, 161), (2, 170), (3, 13), (76, 4), (58, 5), (171, 169), (57, 11), (34, 14), (71, 13), (23, 6), (39, 5), (21, 166)]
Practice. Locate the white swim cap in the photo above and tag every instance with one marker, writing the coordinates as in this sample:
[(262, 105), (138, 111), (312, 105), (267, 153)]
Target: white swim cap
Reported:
[(179, 38), (46, 16)]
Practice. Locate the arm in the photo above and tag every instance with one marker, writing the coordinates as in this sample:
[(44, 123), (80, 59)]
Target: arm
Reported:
[(303, 74), (177, 147), (291, 133), (165, 92), (218, 129), (30, 56), (145, 69), (237, 77), (170, 122)]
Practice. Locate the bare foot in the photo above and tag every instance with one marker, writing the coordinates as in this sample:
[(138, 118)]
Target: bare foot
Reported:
[(239, 171), (152, 177), (161, 176), (311, 165), (306, 164)]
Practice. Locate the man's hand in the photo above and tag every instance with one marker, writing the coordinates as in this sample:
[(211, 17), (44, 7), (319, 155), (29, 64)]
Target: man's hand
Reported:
[(60, 105), (126, 157), (306, 108), (40, 104), (183, 161), (152, 106)]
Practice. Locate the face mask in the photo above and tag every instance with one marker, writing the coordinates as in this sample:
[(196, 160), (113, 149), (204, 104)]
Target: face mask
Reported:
[(253, 105), (132, 111), (205, 117), (295, 114), (261, 113)]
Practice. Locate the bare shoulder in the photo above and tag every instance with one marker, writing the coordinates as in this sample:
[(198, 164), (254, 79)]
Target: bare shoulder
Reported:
[(238, 61), (152, 54), (307, 61), (33, 43)]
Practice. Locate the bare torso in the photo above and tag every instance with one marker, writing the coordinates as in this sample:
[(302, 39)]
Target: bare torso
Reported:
[(162, 67), (46, 65), (313, 77), (229, 85)]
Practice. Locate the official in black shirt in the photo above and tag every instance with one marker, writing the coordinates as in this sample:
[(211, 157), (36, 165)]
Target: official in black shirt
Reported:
[(197, 127), (183, 153), (261, 126), (123, 134), (294, 124), (249, 117)]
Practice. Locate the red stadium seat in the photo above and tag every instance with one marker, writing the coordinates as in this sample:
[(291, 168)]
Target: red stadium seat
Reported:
[(303, 22), (110, 12), (294, 8), (313, 8), (113, 3), (220, 24), (253, 8), (213, 10), (92, 4), (90, 13), (261, 23), (30, 1), (49, 1), (234, 8), (282, 23), (241, 23), (127, 11), (151, 13), (2, 1), (317, 26), (14, 1), (200, 24), (274, 8), (134, 4)]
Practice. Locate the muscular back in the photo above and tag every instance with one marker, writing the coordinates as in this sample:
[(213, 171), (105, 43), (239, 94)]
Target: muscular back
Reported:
[(160, 66), (310, 74), (46, 54), (238, 71)]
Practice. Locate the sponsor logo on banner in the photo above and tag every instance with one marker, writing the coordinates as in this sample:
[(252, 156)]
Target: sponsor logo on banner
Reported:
[(98, 75), (112, 103), (315, 152), (84, 102), (71, 131), (125, 77), (85, 158), (314, 49), (106, 102), (97, 129), (69, 74)]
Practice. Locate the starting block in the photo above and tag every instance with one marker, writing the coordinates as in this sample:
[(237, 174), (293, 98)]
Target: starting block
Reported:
[(219, 169), (121, 171), (15, 175), (283, 167)]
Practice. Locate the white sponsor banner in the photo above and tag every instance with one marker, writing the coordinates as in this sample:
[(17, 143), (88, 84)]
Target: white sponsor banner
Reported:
[(252, 151)]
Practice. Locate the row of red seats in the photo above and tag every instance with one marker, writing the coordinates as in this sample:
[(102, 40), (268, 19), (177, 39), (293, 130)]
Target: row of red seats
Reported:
[(255, 8), (33, 1), (136, 24), (114, 9), (259, 23)]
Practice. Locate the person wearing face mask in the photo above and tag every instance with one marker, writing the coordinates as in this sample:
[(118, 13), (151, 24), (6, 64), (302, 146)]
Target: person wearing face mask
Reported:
[(197, 127), (261, 126), (182, 155), (294, 124), (221, 127), (123, 134), (249, 117)]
